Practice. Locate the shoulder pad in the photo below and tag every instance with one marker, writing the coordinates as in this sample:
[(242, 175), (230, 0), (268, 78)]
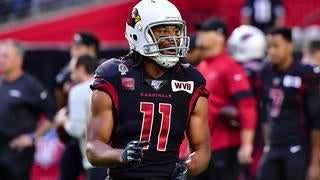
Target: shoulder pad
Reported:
[(308, 68), (110, 68)]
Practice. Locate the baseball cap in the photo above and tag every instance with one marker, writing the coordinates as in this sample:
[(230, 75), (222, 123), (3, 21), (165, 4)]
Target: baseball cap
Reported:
[(213, 24), (87, 39)]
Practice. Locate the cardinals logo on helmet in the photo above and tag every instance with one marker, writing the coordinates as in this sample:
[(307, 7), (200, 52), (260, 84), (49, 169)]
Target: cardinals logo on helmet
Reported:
[(246, 36), (133, 18)]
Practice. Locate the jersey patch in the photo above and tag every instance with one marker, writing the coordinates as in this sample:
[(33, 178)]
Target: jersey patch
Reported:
[(15, 93), (128, 84), (237, 77), (123, 69), (43, 95), (292, 81), (156, 84), (187, 86)]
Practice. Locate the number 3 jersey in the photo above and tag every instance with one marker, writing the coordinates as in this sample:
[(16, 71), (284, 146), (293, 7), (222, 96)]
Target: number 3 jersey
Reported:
[(145, 108), (292, 103)]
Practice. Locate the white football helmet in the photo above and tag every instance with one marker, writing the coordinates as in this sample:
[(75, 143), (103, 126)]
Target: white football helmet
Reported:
[(147, 14), (247, 43)]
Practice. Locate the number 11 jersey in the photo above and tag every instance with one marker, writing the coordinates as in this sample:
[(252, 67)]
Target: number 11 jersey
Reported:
[(145, 108)]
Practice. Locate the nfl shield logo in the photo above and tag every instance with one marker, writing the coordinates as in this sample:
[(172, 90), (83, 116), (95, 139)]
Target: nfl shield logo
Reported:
[(156, 84)]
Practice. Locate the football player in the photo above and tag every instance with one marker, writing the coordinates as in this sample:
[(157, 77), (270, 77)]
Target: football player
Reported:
[(291, 114), (144, 102)]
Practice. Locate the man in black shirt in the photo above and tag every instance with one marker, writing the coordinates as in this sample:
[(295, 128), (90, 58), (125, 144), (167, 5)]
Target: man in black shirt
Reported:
[(291, 93), (23, 99)]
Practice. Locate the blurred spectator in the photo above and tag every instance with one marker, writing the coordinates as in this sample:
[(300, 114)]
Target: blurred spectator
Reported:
[(291, 102), (5, 10), (194, 54), (247, 45), (311, 55), (17, 8), (298, 40), (79, 107), (23, 98), (21, 8), (308, 34), (263, 14), (83, 43), (71, 160), (232, 106)]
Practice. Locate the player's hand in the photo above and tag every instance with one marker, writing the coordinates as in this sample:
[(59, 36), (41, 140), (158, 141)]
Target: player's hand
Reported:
[(230, 115), (313, 172), (180, 172), (61, 117), (133, 152), (245, 154), (21, 142)]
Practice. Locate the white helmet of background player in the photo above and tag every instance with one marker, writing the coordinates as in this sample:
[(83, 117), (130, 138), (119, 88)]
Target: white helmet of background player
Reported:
[(247, 43), (147, 14)]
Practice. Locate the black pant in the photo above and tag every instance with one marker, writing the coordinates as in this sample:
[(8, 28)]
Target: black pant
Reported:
[(223, 166), (15, 165), (71, 161), (147, 178), (96, 174), (283, 163)]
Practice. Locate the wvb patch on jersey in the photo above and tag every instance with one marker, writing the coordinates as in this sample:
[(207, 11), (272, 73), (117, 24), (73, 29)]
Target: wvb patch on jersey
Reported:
[(156, 84), (187, 86)]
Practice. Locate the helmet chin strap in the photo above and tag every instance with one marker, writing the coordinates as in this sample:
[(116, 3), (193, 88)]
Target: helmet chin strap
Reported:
[(166, 62)]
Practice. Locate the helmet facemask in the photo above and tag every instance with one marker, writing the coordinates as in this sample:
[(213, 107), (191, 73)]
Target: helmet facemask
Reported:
[(178, 44)]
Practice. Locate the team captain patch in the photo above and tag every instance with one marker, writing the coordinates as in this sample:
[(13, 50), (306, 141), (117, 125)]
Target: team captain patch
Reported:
[(187, 86)]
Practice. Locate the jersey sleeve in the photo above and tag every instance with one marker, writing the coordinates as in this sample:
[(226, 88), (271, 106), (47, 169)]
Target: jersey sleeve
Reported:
[(107, 78), (200, 87), (62, 77), (202, 90), (312, 97), (238, 84), (43, 100), (201, 83), (240, 89)]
